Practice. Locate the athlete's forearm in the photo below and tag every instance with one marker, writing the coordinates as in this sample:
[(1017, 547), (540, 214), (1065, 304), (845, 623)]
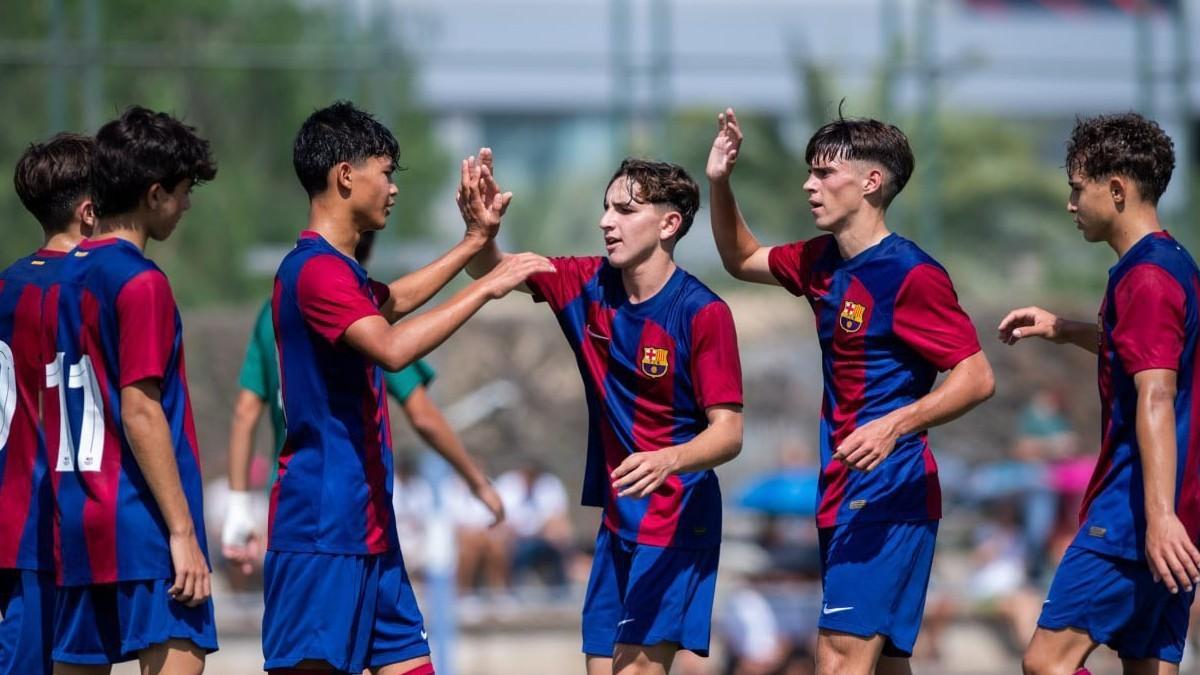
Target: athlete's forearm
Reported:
[(149, 438), (413, 290), (1079, 333), (433, 428), (735, 243), (1155, 428), (485, 260), (416, 336), (246, 411), (716, 445), (968, 384)]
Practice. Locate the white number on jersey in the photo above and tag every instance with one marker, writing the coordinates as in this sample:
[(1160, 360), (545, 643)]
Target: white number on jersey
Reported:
[(91, 426), (8, 392)]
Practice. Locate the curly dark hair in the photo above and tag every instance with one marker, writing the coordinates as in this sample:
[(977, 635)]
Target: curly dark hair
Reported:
[(867, 140), (141, 148), (334, 134), (661, 183), (52, 176), (1124, 144)]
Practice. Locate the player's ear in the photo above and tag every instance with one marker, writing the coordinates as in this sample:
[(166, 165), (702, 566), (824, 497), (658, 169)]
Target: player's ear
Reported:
[(343, 175), (873, 181), (669, 226), (155, 195), (1116, 188), (85, 212)]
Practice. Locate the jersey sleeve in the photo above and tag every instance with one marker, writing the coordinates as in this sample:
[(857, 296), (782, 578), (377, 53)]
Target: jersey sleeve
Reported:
[(928, 318), (559, 288), (401, 384), (716, 366), (787, 264), (147, 327), (255, 366), (1150, 309), (330, 297), (380, 291)]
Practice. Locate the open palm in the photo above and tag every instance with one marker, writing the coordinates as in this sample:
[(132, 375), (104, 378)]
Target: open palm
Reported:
[(725, 146)]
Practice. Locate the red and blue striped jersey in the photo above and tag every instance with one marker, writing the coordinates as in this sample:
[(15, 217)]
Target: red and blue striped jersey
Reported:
[(116, 324), (650, 370), (888, 320), (333, 492), (1148, 320), (26, 493)]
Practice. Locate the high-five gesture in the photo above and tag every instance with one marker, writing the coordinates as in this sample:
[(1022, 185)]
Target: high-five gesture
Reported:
[(725, 147), (479, 199)]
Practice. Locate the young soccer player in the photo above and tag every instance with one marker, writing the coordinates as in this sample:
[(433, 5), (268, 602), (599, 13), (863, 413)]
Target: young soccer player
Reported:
[(337, 595), (1128, 578), (888, 321), (134, 568), (658, 356), (259, 382), (53, 181)]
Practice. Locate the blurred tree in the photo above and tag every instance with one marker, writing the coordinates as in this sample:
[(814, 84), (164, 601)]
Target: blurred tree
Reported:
[(246, 74)]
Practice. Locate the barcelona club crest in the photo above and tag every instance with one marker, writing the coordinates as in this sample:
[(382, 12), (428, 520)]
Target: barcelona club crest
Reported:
[(852, 317), (654, 361)]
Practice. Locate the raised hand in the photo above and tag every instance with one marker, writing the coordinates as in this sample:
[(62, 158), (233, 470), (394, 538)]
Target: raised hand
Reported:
[(512, 271), (488, 186), (725, 147), (1029, 322), (479, 200)]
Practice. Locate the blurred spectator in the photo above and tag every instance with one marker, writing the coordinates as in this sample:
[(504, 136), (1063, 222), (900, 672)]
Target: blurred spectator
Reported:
[(1044, 441), (535, 503), (768, 623), (412, 499), (482, 549), (999, 580), (216, 499)]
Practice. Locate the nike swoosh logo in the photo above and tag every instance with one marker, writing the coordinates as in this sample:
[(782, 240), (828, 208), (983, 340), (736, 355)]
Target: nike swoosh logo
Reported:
[(622, 623), (835, 610)]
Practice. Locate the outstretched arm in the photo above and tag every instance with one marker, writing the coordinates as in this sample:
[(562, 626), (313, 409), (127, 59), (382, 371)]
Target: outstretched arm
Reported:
[(969, 383), (641, 473), (431, 425), (1028, 322), (741, 254), (394, 346), (482, 218)]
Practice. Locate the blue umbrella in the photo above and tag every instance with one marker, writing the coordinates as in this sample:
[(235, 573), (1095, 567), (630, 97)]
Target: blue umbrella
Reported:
[(789, 492)]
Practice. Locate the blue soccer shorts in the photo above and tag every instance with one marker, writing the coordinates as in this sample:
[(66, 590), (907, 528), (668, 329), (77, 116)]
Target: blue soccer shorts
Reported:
[(111, 623), (647, 595), (1119, 604), (351, 611), (874, 578), (27, 623)]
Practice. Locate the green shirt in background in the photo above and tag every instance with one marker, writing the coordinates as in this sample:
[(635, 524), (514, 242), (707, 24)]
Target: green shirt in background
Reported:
[(260, 374)]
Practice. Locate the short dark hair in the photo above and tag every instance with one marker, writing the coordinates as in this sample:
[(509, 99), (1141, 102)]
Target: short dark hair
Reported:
[(661, 183), (141, 148), (1126, 145), (867, 140), (52, 177), (338, 133)]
